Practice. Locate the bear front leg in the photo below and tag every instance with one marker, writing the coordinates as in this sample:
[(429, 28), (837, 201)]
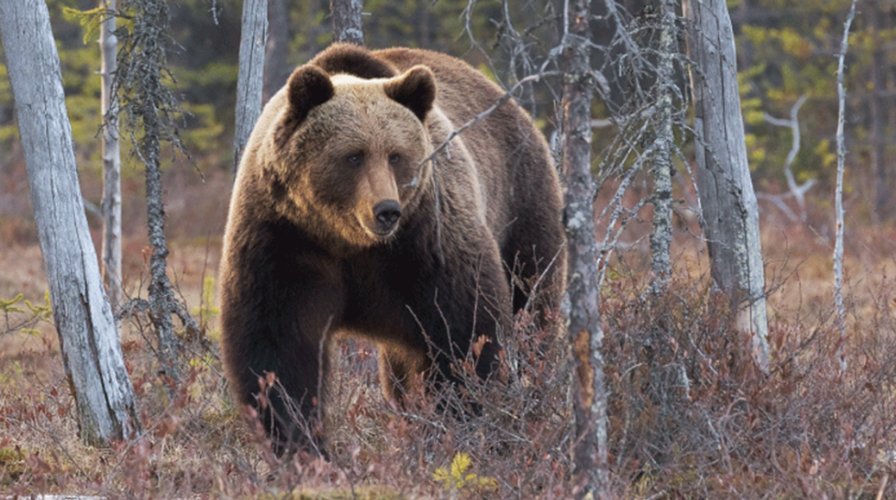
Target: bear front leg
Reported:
[(466, 304), (277, 312)]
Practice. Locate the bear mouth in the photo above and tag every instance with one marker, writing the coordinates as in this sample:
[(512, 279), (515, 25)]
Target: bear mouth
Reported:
[(378, 234), (383, 234)]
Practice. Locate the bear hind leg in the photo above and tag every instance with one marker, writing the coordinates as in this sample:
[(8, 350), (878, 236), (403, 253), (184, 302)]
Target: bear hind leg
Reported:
[(400, 371)]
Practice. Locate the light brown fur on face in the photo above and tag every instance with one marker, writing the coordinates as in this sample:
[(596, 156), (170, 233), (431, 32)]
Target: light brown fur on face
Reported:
[(357, 149), (338, 225), (392, 144)]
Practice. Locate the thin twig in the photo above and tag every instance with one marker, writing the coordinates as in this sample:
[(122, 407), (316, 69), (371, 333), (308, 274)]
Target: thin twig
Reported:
[(454, 133)]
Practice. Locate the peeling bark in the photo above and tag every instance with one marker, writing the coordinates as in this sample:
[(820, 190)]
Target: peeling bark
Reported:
[(347, 21), (661, 234), (589, 403), (87, 334), (250, 81), (730, 217)]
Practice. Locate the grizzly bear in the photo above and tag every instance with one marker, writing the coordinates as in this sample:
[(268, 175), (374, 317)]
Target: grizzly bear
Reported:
[(352, 215)]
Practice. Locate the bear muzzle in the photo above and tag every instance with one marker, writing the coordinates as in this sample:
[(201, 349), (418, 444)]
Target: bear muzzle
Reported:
[(386, 214)]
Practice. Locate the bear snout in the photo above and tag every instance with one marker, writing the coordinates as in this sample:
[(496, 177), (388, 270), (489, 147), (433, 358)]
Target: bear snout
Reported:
[(386, 213)]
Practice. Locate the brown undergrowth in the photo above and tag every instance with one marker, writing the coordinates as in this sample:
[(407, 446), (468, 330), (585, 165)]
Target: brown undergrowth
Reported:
[(690, 416), (196, 442)]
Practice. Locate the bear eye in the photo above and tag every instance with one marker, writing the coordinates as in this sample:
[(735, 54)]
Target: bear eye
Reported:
[(354, 160), (394, 159)]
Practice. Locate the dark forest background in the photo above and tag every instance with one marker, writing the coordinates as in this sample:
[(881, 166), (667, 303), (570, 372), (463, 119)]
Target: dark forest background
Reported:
[(786, 49)]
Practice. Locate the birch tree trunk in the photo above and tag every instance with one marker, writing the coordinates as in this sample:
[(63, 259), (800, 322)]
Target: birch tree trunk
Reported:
[(589, 403), (661, 235), (250, 81), (838, 193), (347, 21), (730, 213), (87, 334), (111, 162)]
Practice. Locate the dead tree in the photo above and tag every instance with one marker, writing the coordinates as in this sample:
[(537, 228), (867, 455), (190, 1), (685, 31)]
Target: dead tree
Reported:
[(87, 334), (151, 107), (589, 403), (879, 115), (347, 21), (838, 194), (250, 81), (276, 69), (111, 205), (661, 234), (730, 213), (796, 190)]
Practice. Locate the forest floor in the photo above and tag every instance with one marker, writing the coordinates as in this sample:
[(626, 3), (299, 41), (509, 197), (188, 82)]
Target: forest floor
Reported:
[(807, 430)]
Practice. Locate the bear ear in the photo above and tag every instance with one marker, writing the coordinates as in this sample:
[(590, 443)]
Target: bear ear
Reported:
[(415, 89), (307, 88)]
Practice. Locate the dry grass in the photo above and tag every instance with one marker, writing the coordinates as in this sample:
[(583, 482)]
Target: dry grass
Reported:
[(198, 443), (690, 417)]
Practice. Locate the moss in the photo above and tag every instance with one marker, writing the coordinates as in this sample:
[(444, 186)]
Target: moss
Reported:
[(12, 465)]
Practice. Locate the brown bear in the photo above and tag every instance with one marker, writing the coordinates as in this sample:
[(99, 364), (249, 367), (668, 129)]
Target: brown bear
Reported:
[(350, 215)]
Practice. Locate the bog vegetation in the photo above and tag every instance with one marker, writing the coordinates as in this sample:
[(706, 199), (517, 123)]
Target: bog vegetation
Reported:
[(690, 415)]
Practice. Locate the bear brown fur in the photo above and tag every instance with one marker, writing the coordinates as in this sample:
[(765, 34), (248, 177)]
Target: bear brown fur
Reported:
[(348, 217)]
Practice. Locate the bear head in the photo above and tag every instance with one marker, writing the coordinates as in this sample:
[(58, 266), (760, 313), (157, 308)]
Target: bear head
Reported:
[(349, 153)]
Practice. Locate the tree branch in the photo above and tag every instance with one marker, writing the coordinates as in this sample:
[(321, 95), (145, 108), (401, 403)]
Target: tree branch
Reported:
[(796, 190)]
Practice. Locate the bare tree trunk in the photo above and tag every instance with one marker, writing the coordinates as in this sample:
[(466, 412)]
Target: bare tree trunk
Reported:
[(347, 21), (87, 334), (838, 195), (111, 162), (589, 404), (161, 297), (151, 106), (661, 235), (276, 70), (250, 82), (882, 193), (730, 213), (423, 34)]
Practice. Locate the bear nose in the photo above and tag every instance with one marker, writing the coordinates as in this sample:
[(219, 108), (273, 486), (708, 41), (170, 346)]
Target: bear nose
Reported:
[(387, 214)]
